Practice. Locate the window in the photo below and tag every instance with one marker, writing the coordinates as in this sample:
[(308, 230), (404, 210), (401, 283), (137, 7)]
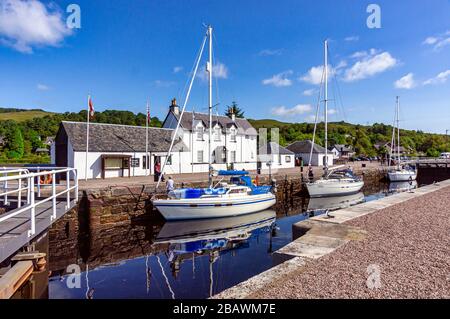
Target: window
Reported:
[(200, 133), (169, 160), (252, 155), (233, 156), (287, 159), (217, 134), (145, 161), (200, 156), (113, 162), (233, 135), (247, 137)]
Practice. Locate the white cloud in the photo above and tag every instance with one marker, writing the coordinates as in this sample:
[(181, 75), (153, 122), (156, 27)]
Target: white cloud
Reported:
[(42, 87), (314, 75), (309, 92), (370, 65), (26, 24), (220, 71), (352, 38), (430, 40), (407, 82), (177, 69), (287, 112), (438, 79), (332, 111), (269, 52), (438, 41), (359, 54), (279, 80)]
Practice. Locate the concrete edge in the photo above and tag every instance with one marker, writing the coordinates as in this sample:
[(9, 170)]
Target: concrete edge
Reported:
[(306, 251)]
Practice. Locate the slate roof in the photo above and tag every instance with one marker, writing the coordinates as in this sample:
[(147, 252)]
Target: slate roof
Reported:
[(274, 148), (342, 148), (244, 126), (302, 147), (119, 138)]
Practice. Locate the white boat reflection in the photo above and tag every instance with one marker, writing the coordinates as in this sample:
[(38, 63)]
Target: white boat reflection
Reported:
[(227, 228), (335, 202), (189, 239), (399, 187)]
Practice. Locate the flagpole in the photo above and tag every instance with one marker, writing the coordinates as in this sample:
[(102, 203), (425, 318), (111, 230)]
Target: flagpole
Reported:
[(147, 159), (87, 139)]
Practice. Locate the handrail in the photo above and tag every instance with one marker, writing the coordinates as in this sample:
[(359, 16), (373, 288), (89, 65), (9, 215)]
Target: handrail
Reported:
[(24, 176)]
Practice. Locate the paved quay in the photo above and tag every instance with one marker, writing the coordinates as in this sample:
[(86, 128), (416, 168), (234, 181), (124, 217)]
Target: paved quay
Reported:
[(395, 247), (202, 177)]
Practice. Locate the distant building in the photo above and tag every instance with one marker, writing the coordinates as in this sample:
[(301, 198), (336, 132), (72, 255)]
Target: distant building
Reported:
[(233, 145), (276, 156), (387, 146), (341, 151), (49, 140), (302, 151)]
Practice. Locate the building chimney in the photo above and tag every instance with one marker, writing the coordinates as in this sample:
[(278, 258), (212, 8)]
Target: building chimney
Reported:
[(174, 107), (233, 116)]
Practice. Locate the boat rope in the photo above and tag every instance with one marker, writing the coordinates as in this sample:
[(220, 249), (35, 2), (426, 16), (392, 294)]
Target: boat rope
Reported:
[(182, 111), (316, 117)]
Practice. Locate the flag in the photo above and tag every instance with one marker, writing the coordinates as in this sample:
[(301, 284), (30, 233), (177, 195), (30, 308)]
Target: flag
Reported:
[(91, 108), (149, 119)]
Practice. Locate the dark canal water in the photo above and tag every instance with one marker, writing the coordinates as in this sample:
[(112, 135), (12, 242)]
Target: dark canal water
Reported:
[(153, 259)]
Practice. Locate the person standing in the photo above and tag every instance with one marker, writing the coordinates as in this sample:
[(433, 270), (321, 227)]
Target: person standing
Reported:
[(157, 170), (170, 185)]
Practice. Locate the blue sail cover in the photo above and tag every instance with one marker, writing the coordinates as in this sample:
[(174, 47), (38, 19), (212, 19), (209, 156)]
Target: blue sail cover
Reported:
[(232, 173)]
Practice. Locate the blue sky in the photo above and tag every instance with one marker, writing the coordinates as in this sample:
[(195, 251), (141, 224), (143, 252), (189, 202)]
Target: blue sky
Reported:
[(268, 54)]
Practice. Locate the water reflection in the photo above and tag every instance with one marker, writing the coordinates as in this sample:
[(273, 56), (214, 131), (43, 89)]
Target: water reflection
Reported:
[(186, 240), (399, 187), (335, 202), (184, 259)]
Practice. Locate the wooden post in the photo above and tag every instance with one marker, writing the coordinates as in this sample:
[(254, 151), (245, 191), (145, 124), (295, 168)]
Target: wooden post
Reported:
[(15, 278)]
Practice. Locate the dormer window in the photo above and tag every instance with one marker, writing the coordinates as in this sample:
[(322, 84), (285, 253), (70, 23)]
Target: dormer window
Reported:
[(217, 132), (233, 135), (200, 131)]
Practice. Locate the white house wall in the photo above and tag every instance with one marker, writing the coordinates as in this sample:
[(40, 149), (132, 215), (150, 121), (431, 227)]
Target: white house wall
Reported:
[(95, 164), (317, 159)]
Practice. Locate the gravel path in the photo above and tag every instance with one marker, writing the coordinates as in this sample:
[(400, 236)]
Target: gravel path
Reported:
[(409, 242)]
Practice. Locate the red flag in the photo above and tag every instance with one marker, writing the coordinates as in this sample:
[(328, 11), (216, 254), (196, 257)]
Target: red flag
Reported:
[(149, 119), (91, 108)]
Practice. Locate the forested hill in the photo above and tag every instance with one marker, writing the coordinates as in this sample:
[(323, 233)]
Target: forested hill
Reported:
[(362, 138), (21, 136)]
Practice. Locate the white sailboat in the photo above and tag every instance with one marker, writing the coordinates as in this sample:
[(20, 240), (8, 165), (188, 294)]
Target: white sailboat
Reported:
[(401, 173), (238, 197), (336, 181)]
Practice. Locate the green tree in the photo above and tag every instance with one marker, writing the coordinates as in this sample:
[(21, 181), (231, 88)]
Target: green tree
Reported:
[(15, 143), (234, 108)]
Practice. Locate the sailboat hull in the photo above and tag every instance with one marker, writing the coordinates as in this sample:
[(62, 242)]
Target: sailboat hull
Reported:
[(213, 207), (326, 188), (402, 176)]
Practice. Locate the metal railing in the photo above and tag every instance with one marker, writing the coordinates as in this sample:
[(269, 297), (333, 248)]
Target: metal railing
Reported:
[(19, 180)]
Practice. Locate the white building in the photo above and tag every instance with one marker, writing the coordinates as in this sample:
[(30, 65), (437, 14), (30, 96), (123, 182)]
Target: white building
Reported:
[(233, 142), (119, 150), (276, 156), (116, 150), (302, 151), (342, 151)]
